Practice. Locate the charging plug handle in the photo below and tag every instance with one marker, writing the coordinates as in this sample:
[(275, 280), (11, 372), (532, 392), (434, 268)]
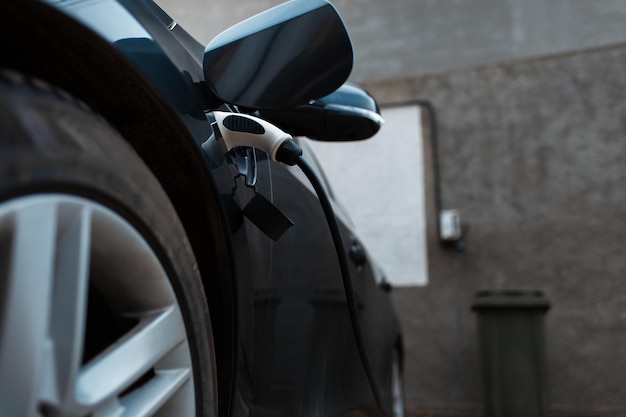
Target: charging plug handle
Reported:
[(244, 130)]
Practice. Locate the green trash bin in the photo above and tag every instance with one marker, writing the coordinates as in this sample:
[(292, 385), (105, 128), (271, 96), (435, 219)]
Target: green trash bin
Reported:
[(512, 347)]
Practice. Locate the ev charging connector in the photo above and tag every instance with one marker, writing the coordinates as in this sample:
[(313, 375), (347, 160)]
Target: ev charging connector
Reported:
[(244, 130)]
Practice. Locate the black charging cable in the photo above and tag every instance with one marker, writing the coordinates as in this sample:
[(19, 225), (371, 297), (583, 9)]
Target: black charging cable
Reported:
[(345, 274), (290, 153)]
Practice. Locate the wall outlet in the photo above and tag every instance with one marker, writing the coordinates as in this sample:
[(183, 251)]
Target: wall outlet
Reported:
[(449, 225)]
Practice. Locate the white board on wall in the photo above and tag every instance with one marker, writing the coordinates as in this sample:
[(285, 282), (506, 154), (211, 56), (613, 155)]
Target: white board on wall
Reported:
[(380, 181)]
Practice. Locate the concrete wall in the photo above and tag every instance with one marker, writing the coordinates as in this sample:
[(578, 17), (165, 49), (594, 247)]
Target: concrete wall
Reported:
[(533, 154)]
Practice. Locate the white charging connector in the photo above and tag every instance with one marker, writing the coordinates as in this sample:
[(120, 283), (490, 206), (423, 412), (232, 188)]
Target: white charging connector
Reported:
[(244, 130)]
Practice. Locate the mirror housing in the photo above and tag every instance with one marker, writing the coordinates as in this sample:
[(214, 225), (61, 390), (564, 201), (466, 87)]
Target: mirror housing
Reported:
[(349, 113), (283, 57)]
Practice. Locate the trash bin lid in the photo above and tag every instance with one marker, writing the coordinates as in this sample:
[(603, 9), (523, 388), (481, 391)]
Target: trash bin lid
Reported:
[(508, 299)]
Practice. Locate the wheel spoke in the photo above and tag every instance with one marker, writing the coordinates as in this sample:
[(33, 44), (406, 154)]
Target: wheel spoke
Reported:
[(32, 230), (70, 296), (114, 370)]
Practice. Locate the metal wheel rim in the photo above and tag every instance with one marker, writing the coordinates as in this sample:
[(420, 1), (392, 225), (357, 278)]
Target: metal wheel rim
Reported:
[(55, 250), (397, 390)]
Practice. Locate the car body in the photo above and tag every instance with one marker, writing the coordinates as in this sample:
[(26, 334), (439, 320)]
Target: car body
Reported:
[(282, 337)]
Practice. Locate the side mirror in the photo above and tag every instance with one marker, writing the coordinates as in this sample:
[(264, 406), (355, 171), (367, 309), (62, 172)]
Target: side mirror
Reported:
[(349, 113), (284, 57)]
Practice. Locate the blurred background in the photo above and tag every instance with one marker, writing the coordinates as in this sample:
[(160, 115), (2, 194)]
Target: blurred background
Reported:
[(513, 113)]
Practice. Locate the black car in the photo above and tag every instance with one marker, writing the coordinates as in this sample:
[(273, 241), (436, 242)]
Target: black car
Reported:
[(148, 266)]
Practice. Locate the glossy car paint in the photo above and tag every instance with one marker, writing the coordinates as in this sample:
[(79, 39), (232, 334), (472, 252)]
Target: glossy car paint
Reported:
[(294, 351)]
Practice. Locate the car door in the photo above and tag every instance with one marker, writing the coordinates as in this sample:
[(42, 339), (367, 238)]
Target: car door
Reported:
[(298, 355)]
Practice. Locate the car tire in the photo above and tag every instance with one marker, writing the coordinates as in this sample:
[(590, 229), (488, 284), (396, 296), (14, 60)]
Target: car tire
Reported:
[(102, 309)]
